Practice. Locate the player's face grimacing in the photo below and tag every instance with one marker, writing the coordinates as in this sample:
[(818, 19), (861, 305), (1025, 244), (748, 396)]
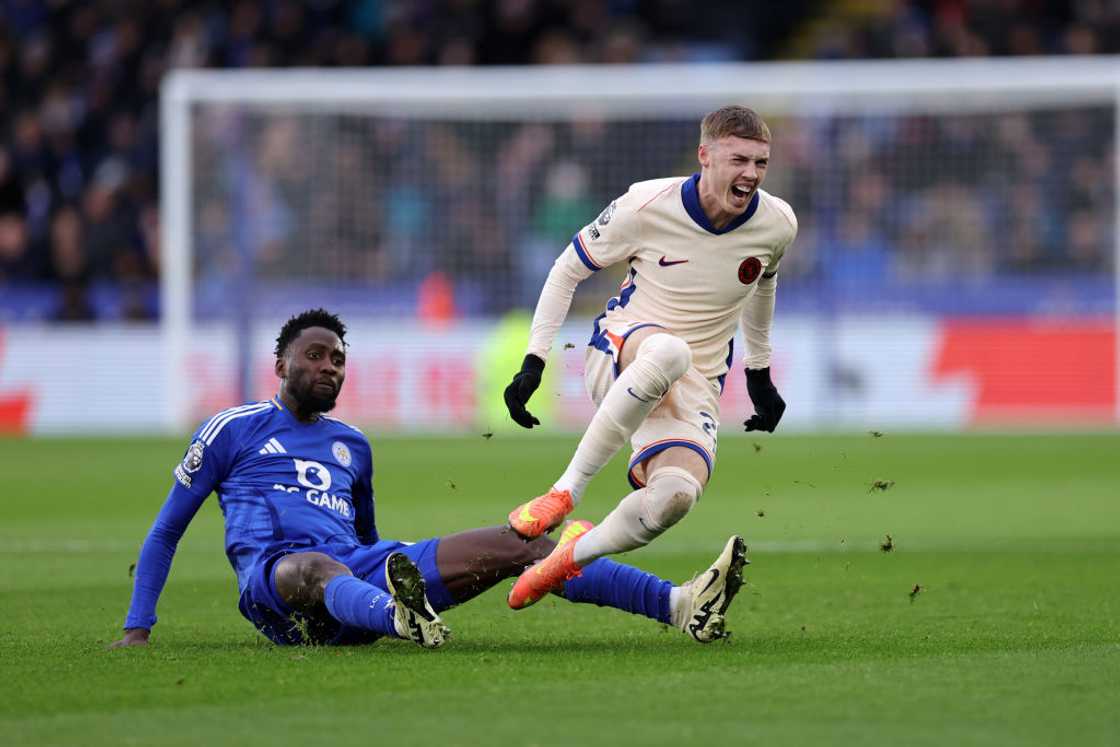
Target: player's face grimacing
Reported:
[(732, 170), (313, 369)]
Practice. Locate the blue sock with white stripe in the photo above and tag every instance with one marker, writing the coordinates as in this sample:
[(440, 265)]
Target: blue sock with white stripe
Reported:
[(354, 602), (609, 584)]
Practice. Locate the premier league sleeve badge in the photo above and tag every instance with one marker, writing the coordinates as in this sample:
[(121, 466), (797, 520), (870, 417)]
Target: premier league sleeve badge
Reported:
[(193, 460)]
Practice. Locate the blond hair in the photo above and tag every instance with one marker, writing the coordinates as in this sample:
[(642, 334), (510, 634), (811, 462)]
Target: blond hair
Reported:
[(739, 121)]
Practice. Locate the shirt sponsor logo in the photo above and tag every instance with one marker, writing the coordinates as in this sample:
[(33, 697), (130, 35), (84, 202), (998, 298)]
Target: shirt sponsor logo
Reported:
[(312, 474), (326, 500), (316, 478)]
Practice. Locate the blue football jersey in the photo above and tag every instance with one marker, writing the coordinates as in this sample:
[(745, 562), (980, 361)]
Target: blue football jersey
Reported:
[(281, 483)]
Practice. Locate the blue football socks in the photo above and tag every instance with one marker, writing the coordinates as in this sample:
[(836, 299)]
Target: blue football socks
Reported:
[(609, 584), (354, 602)]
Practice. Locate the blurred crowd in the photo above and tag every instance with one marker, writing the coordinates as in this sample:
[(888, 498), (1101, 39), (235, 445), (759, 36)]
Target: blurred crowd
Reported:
[(886, 203), (962, 28), (412, 208), (957, 198)]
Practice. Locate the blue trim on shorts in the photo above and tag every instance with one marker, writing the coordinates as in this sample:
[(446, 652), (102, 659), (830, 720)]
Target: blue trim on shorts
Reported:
[(600, 341), (625, 337), (656, 449)]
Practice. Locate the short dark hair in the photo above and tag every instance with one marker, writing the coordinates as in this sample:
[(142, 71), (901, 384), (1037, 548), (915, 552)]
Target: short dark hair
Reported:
[(739, 121), (309, 318)]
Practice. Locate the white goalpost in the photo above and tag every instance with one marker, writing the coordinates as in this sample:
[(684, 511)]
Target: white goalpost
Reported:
[(968, 188)]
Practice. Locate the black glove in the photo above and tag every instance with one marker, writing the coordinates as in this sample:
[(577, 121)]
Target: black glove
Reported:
[(768, 404), (524, 383)]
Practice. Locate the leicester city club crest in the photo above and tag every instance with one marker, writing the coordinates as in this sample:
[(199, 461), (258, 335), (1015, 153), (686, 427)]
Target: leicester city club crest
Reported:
[(341, 453)]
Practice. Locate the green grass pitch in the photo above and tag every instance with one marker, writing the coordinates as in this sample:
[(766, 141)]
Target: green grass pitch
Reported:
[(1013, 637)]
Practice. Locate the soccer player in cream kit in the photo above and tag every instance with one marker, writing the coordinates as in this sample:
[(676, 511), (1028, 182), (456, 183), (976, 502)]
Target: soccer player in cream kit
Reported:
[(296, 492), (703, 254)]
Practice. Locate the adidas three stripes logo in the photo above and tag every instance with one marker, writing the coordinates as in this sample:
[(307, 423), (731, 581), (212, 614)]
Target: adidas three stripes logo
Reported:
[(272, 446)]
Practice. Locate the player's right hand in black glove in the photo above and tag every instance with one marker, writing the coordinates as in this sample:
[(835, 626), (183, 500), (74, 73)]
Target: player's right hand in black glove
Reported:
[(524, 383)]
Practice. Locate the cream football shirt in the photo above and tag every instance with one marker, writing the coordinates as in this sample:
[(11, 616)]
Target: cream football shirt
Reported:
[(684, 274)]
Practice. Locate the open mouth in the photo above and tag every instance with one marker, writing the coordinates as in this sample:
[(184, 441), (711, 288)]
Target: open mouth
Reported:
[(740, 191)]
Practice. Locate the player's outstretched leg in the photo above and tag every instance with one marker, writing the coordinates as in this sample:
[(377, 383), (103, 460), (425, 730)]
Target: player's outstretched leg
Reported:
[(413, 617), (660, 360), (643, 515), (697, 608), (704, 600), (550, 574), (638, 519), (470, 562)]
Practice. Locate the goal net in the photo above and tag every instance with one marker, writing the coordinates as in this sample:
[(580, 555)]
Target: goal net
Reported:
[(956, 263)]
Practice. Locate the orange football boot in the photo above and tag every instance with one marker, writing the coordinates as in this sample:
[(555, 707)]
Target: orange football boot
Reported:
[(542, 514), (550, 574)]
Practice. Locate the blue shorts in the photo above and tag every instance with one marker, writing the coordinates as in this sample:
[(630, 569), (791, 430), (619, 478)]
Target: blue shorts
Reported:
[(261, 604)]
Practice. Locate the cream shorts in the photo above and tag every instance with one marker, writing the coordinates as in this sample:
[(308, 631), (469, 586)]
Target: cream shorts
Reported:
[(687, 416)]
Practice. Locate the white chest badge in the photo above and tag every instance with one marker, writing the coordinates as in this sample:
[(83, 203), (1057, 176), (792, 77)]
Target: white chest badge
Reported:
[(341, 453)]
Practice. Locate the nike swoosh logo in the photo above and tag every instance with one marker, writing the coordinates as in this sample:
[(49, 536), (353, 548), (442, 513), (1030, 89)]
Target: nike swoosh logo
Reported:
[(640, 399), (715, 577), (669, 263)]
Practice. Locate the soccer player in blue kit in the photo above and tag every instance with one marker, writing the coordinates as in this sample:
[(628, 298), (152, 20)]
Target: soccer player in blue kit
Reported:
[(295, 489)]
